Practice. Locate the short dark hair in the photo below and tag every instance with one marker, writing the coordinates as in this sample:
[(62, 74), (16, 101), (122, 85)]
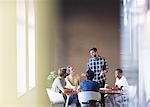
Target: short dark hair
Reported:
[(89, 74), (119, 70), (93, 49), (62, 71)]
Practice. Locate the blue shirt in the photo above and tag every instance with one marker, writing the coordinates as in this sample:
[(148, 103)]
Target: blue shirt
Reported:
[(89, 85)]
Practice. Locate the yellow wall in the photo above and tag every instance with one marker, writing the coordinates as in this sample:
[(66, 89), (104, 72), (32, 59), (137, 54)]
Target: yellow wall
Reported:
[(8, 87), (45, 33)]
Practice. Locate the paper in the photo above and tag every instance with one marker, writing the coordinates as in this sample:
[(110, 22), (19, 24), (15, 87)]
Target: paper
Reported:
[(104, 89)]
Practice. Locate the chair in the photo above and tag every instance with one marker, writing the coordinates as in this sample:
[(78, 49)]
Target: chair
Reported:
[(89, 98), (55, 98)]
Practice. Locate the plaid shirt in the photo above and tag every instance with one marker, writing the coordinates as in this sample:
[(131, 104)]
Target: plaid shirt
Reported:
[(95, 64)]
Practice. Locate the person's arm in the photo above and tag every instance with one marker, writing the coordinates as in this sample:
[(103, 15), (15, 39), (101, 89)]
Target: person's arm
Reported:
[(83, 74), (104, 68), (89, 64), (97, 87), (124, 85), (106, 65), (79, 89), (60, 85), (103, 72), (115, 87), (62, 88)]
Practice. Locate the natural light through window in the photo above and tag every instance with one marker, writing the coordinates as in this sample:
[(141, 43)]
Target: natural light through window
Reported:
[(21, 48), (31, 44), (25, 34), (137, 61)]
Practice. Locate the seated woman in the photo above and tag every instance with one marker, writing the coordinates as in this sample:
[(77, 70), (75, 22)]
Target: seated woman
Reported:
[(89, 84), (60, 83), (73, 81)]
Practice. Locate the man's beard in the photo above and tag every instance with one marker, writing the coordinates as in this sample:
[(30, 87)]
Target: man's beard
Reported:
[(94, 56)]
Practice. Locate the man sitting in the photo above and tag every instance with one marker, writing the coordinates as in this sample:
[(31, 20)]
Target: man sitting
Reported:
[(119, 100), (89, 84)]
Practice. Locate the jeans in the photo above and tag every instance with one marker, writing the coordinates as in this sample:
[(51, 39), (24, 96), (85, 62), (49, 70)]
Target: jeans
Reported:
[(73, 98), (117, 100)]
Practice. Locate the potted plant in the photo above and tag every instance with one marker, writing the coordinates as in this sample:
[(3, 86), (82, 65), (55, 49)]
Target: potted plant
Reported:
[(51, 77)]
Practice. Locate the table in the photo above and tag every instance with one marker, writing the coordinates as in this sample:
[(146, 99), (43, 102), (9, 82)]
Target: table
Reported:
[(110, 91), (71, 92), (104, 91), (68, 93)]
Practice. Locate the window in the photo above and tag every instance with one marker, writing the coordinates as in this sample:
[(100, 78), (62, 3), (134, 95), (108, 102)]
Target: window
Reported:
[(21, 47), (138, 61), (31, 44), (25, 34)]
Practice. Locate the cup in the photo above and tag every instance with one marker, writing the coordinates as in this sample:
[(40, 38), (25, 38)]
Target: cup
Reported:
[(106, 85)]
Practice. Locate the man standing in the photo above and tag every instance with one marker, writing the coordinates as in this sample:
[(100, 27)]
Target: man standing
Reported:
[(99, 66)]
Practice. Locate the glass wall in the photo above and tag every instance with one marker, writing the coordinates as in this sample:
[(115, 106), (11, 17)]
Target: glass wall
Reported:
[(135, 48)]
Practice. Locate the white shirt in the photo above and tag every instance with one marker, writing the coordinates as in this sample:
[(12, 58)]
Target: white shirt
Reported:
[(122, 82)]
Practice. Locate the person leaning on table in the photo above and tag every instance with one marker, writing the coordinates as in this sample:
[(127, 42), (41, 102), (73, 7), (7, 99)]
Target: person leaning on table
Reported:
[(89, 84), (60, 83), (72, 80), (119, 100)]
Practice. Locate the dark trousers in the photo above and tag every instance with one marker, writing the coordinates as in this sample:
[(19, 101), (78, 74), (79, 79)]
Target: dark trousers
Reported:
[(102, 85), (72, 98)]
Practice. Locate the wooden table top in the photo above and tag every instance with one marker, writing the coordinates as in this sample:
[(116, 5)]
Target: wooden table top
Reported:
[(71, 92), (110, 91), (102, 90)]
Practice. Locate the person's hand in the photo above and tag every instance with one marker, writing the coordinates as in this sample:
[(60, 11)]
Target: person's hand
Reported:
[(103, 72), (75, 88), (108, 86), (83, 75), (115, 87), (78, 90)]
